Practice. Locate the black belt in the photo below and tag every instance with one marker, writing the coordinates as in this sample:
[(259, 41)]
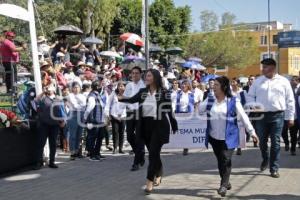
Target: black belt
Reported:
[(273, 112)]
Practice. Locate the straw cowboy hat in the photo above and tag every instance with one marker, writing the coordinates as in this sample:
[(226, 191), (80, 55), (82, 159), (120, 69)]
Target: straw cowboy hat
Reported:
[(41, 39)]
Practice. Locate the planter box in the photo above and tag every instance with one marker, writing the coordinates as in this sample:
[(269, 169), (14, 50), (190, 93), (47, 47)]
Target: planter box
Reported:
[(17, 149)]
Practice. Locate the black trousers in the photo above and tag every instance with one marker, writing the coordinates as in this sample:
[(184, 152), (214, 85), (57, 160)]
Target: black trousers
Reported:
[(136, 143), (10, 71), (223, 155), (293, 133), (94, 140), (118, 127), (51, 132), (154, 145)]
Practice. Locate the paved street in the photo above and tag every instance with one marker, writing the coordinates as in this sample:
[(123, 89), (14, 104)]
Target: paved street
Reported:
[(186, 177)]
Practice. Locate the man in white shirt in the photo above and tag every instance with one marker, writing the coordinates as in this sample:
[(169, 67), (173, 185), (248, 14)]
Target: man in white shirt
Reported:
[(272, 95), (132, 88)]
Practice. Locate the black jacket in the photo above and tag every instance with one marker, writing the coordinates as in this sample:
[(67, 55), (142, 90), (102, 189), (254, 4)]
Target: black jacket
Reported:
[(164, 112)]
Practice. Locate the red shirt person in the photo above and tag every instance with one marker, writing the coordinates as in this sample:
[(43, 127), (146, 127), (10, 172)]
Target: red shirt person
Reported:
[(9, 54)]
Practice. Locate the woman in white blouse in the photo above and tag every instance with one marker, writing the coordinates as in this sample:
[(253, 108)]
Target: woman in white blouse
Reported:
[(155, 122), (222, 129), (76, 104), (185, 102), (117, 113)]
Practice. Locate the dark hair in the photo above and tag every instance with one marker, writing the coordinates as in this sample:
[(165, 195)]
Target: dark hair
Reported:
[(75, 83), (117, 89), (85, 87), (268, 61), (137, 68), (211, 79), (156, 78), (225, 85), (95, 85)]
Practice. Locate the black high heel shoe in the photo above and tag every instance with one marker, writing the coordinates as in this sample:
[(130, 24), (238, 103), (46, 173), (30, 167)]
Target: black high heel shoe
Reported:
[(147, 191), (157, 183)]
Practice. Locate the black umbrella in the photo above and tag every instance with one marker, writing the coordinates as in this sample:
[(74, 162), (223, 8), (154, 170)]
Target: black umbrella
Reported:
[(92, 40), (68, 30), (174, 50)]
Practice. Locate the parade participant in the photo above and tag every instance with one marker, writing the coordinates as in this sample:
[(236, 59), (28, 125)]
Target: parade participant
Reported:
[(209, 91), (185, 102), (197, 92), (239, 94), (295, 128), (251, 79), (175, 89), (155, 119), (135, 142), (117, 112), (50, 118), (94, 118), (222, 129), (273, 95), (10, 56), (77, 103)]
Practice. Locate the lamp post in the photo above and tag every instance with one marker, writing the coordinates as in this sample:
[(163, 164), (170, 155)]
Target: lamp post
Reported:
[(269, 30), (147, 34)]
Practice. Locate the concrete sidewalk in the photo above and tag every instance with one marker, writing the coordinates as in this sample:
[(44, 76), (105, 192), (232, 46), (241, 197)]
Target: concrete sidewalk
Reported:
[(186, 177)]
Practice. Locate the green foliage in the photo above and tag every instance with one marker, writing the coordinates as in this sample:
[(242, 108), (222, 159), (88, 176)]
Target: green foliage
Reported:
[(223, 48), (167, 22), (208, 20), (228, 19), (129, 17)]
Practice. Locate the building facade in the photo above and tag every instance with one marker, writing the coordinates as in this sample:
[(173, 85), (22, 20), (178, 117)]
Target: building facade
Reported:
[(284, 48)]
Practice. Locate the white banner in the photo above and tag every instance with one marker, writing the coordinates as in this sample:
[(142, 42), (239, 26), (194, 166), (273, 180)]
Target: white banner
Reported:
[(191, 133)]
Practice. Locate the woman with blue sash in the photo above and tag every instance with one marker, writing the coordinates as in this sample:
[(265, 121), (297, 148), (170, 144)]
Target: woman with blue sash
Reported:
[(222, 129), (185, 102)]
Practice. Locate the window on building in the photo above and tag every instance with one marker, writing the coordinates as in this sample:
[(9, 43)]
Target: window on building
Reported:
[(275, 39), (263, 40), (295, 62)]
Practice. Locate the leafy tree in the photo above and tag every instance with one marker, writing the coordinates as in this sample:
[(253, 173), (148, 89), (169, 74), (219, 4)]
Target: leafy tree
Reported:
[(224, 48), (95, 17), (228, 19), (208, 20), (129, 17), (167, 22)]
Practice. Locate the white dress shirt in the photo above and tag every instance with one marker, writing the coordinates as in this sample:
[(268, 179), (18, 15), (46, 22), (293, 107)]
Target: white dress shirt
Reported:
[(114, 107), (184, 101), (77, 102), (198, 94), (131, 90), (272, 95), (218, 117), (150, 105), (174, 98)]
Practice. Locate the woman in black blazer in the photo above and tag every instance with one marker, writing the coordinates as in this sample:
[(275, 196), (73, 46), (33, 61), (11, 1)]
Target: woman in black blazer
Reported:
[(155, 117)]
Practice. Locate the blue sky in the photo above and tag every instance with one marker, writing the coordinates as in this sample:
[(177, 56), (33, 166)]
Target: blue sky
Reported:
[(287, 11)]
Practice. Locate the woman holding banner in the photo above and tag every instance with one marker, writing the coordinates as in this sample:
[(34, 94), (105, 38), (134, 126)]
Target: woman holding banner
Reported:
[(222, 129), (155, 118), (185, 102)]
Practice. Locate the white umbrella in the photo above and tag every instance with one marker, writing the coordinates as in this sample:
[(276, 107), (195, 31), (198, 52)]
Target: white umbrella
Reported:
[(110, 54), (14, 11), (198, 67)]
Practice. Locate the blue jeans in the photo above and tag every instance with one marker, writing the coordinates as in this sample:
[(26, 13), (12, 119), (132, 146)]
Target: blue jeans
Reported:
[(75, 131), (271, 126)]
